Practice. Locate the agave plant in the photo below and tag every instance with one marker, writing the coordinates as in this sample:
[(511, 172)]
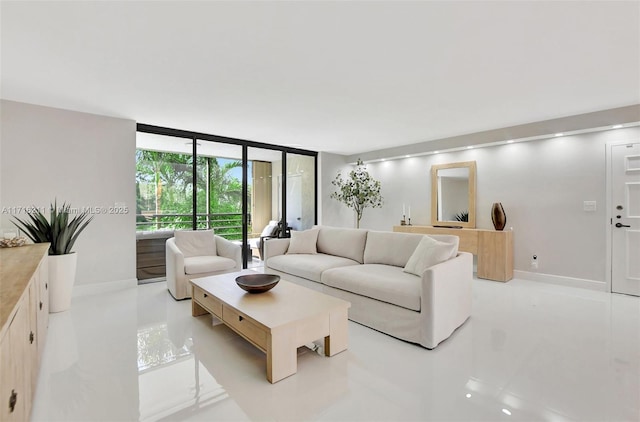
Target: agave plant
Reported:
[(462, 216), (59, 231)]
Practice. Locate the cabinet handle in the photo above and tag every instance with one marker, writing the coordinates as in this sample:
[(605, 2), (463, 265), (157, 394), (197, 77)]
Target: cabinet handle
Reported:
[(41, 305), (12, 401), (240, 318), (204, 295), (31, 337), (46, 286)]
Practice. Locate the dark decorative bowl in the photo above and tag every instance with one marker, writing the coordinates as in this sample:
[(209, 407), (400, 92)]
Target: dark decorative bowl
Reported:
[(257, 283)]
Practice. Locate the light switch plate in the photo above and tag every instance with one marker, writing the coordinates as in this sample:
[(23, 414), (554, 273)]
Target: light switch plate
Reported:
[(589, 206)]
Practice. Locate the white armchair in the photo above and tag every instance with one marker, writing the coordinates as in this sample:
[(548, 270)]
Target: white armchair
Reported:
[(200, 253)]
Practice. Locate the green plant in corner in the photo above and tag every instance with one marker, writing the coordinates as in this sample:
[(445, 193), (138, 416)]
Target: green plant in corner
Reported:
[(358, 191), (462, 216), (61, 231)]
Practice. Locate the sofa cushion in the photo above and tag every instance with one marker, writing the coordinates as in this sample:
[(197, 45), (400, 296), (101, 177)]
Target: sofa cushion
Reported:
[(195, 242), (303, 242), (390, 248), (347, 243), (306, 265), (429, 253), (377, 281), (207, 264)]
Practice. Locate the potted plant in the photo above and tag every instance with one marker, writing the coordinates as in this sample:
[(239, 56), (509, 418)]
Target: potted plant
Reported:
[(61, 232), (358, 191), (462, 216)]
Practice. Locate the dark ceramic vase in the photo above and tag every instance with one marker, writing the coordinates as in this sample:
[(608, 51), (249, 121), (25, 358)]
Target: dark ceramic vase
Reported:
[(498, 216)]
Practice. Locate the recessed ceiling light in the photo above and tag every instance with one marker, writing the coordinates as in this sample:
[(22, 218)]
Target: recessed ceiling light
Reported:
[(436, 152), (616, 126), (470, 147), (558, 134), (383, 159), (468, 395), (407, 156), (510, 141), (506, 412)]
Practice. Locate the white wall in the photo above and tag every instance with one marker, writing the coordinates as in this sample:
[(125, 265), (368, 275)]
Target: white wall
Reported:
[(330, 211), (541, 184), (89, 161), (84, 159)]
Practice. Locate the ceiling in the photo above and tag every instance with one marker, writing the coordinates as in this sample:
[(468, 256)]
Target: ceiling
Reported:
[(341, 77)]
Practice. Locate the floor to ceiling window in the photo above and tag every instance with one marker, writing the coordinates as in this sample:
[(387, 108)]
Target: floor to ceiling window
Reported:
[(182, 186)]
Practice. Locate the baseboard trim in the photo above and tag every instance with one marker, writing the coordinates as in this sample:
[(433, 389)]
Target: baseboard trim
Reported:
[(105, 287), (562, 281)]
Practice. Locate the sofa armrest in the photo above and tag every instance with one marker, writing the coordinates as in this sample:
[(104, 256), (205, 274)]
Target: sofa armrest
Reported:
[(274, 247), (174, 261), (446, 297), (228, 249)]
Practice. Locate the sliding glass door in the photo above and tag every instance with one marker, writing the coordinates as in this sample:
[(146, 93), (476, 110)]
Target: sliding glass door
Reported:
[(219, 189), (194, 181), (174, 178), (262, 200)]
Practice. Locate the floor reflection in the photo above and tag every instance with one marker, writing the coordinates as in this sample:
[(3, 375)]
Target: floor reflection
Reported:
[(156, 349), (172, 383)]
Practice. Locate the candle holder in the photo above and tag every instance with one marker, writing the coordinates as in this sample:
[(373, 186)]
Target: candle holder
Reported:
[(403, 222), (409, 222)]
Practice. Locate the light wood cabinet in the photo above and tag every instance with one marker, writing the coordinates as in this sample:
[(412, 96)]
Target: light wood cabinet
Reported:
[(24, 298), (16, 379), (42, 304), (494, 249)]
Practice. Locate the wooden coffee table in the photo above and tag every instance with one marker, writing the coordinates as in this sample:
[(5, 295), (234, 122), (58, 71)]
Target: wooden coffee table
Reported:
[(276, 322)]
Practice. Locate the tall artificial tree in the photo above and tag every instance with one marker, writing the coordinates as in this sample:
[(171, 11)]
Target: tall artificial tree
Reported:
[(358, 191)]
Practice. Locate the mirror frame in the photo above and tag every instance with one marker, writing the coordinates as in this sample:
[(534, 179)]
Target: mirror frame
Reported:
[(471, 165)]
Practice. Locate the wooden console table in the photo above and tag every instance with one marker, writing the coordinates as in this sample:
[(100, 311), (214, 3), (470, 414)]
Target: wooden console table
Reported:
[(24, 317), (494, 249)]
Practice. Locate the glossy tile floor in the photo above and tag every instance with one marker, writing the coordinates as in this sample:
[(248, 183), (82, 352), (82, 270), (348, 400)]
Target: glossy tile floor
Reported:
[(530, 352)]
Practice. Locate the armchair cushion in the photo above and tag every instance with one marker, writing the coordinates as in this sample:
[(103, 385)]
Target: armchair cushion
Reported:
[(207, 264), (196, 242)]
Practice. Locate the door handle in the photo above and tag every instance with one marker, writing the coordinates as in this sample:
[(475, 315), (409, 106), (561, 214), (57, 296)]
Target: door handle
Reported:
[(621, 225)]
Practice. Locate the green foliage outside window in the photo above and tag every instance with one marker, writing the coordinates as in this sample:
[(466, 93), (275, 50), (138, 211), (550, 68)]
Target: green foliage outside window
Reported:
[(164, 190)]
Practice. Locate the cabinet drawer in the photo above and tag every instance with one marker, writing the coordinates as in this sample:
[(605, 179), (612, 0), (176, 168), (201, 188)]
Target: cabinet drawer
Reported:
[(249, 329), (207, 301)]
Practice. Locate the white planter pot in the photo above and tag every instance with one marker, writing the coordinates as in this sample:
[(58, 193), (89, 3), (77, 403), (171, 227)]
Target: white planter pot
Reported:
[(62, 275)]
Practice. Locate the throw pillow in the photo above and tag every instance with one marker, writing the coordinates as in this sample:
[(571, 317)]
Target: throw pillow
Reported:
[(428, 253), (196, 242), (303, 242)]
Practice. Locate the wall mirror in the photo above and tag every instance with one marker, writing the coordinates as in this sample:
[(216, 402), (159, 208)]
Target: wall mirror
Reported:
[(453, 194)]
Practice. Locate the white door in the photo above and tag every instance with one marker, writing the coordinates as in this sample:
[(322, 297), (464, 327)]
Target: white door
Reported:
[(625, 230)]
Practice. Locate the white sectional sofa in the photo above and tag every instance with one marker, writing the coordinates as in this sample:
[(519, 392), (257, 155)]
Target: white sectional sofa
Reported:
[(367, 268)]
